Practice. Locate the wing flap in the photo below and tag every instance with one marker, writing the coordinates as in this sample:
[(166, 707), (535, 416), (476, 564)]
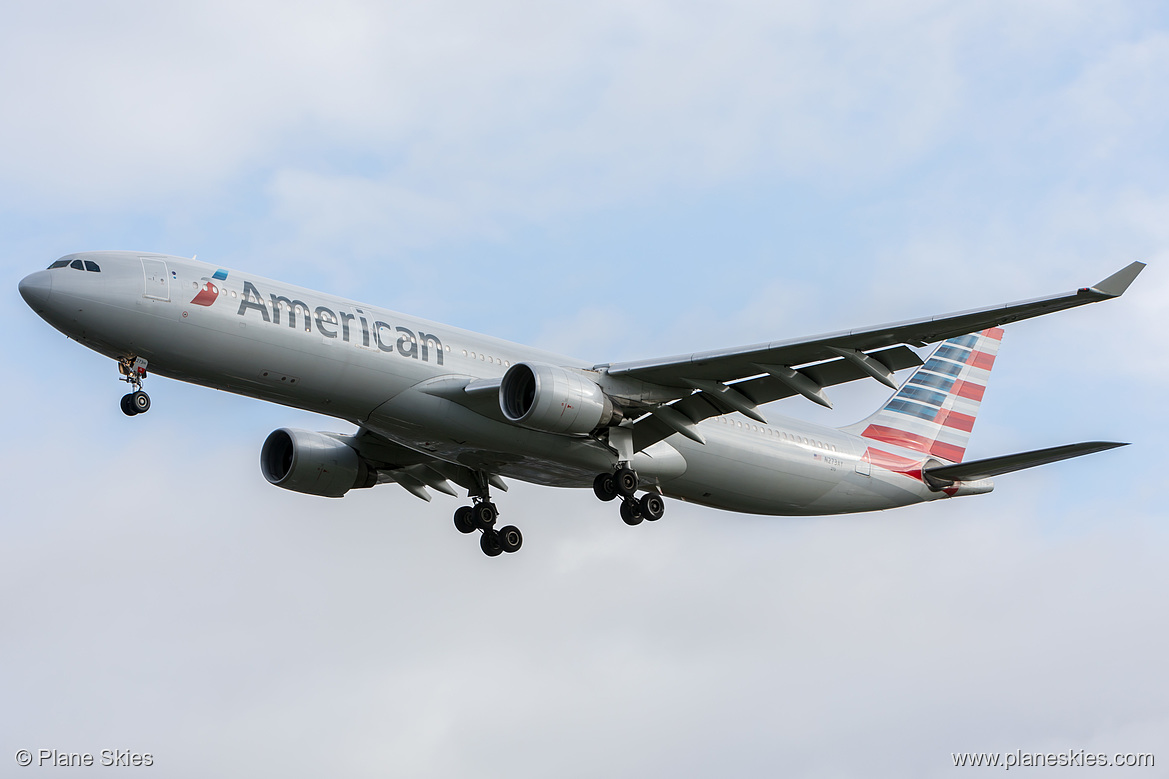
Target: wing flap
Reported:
[(414, 471), (701, 405)]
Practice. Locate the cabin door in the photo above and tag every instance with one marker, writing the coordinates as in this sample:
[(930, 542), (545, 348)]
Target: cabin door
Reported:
[(157, 279)]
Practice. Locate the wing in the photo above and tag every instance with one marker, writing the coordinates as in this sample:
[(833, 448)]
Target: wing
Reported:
[(741, 379), (729, 364), (414, 471), (715, 398)]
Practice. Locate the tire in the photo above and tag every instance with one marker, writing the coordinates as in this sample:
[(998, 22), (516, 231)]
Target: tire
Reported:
[(604, 487), (631, 512), (510, 538), (141, 402), (463, 521), (652, 506), (490, 543), (626, 482), (484, 515), (128, 405)]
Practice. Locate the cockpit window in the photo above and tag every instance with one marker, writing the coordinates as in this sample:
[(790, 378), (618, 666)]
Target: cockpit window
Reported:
[(90, 265), (77, 264), (59, 264)]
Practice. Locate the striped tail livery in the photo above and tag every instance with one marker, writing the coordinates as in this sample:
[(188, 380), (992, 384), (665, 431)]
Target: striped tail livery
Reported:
[(934, 411)]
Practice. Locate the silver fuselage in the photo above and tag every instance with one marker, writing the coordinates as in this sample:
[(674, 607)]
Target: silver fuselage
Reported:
[(272, 341)]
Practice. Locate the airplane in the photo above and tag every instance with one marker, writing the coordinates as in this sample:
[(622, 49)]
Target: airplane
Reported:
[(437, 407)]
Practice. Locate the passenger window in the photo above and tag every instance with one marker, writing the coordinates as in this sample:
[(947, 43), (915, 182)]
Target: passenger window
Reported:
[(77, 264), (91, 266), (59, 264)]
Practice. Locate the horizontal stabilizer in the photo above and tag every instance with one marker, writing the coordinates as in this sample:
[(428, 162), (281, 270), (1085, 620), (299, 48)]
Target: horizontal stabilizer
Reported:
[(996, 466)]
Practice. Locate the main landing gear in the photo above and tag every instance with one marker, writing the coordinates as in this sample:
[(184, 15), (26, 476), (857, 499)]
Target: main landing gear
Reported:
[(481, 516), (133, 372), (623, 484)]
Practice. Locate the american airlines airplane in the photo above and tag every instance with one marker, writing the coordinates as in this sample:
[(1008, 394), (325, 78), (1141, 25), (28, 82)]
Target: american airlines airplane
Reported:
[(436, 406)]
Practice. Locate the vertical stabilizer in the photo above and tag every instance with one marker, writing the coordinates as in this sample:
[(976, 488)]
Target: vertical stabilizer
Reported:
[(934, 410)]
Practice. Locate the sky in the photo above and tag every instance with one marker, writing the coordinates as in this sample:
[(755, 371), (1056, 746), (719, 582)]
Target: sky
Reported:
[(611, 181)]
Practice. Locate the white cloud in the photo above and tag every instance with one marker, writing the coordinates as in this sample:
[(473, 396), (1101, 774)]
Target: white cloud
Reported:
[(366, 635), (538, 110)]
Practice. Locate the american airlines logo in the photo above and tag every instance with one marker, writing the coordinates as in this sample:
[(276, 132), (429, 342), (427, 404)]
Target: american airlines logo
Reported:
[(209, 293), (354, 328)]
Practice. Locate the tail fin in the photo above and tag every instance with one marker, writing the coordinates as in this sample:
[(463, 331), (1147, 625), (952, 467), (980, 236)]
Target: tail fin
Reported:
[(934, 410)]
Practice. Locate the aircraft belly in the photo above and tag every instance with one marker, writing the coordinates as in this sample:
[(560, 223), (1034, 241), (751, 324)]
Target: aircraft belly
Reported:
[(456, 434), (762, 476)]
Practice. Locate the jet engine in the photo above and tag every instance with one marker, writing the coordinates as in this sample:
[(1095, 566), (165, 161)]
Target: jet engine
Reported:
[(554, 400), (313, 463)]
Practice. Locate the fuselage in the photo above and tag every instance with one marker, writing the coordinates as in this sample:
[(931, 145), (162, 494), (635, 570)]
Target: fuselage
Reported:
[(386, 371)]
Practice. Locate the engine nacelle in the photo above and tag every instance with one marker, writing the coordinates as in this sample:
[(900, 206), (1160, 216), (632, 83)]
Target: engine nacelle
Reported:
[(554, 400), (313, 463)]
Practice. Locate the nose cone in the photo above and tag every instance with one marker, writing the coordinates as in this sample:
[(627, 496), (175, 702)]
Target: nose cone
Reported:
[(35, 289)]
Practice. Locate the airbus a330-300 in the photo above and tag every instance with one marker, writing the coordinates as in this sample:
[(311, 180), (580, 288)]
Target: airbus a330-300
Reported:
[(437, 407)]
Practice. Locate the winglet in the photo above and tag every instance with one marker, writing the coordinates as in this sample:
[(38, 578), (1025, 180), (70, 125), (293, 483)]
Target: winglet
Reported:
[(1115, 285)]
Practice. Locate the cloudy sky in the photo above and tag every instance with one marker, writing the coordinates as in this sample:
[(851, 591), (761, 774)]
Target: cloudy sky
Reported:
[(614, 181)]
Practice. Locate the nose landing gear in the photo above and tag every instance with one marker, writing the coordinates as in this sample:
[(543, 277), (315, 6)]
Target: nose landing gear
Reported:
[(134, 372), (135, 403)]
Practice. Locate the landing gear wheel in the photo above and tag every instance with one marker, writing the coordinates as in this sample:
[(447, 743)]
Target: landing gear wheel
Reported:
[(510, 538), (626, 482), (652, 506), (483, 515), (133, 370), (631, 512), (605, 486), (490, 543), (128, 405), (463, 521)]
